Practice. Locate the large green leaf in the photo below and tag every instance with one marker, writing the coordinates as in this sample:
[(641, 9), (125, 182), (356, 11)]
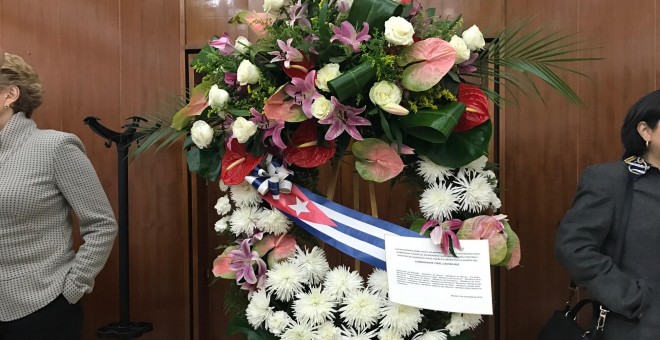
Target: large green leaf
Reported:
[(351, 82), (240, 325), (460, 149), (202, 58), (196, 105), (374, 12), (204, 162), (433, 126)]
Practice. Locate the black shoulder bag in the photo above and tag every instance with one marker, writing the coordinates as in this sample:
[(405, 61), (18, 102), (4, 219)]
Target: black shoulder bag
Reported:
[(563, 324)]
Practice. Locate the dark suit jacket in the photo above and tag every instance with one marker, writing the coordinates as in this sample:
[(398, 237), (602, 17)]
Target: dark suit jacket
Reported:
[(585, 243)]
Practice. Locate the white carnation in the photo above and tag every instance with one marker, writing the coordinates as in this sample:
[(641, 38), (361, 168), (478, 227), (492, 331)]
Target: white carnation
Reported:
[(244, 220), (258, 310), (461, 322), (439, 202), (244, 195), (278, 322), (221, 225)]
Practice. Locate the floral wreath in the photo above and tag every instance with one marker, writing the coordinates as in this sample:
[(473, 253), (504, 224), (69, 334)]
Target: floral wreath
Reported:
[(389, 82)]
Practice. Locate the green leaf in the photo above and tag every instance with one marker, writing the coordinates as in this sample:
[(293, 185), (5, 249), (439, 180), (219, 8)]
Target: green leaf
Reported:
[(240, 325), (460, 149), (398, 136), (374, 12), (202, 58), (386, 126), (204, 162), (433, 126), (196, 105), (417, 225), (462, 336), (240, 113), (324, 26), (351, 82)]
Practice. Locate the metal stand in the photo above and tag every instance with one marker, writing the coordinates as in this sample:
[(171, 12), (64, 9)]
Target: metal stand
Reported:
[(124, 329)]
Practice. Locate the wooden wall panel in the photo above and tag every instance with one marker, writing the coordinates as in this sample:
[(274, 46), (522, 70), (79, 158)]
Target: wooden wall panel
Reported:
[(151, 66), (626, 73), (114, 59), (539, 160), (84, 24)]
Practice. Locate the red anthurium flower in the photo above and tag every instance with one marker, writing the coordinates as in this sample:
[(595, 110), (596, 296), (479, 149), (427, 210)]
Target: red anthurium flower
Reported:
[(476, 103), (237, 163), (304, 150), (299, 69)]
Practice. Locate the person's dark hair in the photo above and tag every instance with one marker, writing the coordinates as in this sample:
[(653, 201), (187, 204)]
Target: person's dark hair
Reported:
[(647, 109)]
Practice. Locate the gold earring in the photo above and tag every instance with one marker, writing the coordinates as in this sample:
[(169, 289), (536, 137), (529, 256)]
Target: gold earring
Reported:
[(647, 144), (7, 106)]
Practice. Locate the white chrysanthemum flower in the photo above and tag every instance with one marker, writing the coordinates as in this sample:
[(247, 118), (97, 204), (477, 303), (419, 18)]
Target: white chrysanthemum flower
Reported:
[(299, 331), (274, 222), (430, 335), (377, 282), (461, 322), (244, 220), (439, 202), (314, 307), (222, 206), (492, 178), (389, 334), (285, 280), (221, 225), (475, 193), (258, 310), (352, 334), (278, 322), (313, 263), (223, 187), (361, 309), (328, 331), (403, 319), (495, 201), (244, 195), (431, 172), (478, 164), (340, 281)]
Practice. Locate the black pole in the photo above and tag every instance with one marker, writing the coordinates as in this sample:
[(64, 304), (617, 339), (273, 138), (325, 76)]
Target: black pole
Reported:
[(124, 329)]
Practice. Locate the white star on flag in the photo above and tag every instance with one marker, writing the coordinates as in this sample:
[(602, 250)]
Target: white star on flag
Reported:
[(300, 207)]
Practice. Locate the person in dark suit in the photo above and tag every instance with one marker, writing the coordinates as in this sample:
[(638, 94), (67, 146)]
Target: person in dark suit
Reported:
[(588, 234), (44, 176)]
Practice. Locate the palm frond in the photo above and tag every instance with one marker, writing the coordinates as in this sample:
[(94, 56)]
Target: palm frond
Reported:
[(157, 132), (519, 54)]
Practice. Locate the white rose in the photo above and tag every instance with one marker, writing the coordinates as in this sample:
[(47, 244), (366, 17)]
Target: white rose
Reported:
[(326, 74), (384, 92), (273, 5), (218, 98), (398, 31), (201, 133), (242, 44), (462, 51), (322, 108), (387, 96), (247, 73), (243, 129), (473, 38)]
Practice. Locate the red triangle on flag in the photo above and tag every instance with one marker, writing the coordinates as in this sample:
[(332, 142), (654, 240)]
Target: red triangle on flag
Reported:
[(298, 205)]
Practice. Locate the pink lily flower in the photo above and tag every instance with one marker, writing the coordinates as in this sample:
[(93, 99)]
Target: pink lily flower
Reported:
[(347, 35), (242, 262), (273, 128), (344, 118), (298, 12), (443, 233), (304, 92), (223, 44), (288, 53), (467, 66)]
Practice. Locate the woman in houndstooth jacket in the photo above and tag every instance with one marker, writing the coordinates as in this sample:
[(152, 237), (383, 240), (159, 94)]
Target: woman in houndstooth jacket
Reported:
[(44, 176)]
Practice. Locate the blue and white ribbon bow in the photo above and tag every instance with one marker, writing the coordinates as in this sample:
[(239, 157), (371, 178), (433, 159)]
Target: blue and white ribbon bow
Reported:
[(275, 178)]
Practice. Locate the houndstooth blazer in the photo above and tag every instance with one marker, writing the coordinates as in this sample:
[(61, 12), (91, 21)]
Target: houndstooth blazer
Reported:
[(44, 174)]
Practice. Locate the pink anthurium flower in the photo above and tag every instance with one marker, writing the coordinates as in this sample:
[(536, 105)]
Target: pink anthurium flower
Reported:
[(443, 233), (278, 247), (488, 228), (347, 35), (221, 264), (344, 118)]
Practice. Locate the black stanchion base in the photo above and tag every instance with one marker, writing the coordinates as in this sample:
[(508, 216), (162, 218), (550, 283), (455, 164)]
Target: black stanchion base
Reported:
[(125, 332)]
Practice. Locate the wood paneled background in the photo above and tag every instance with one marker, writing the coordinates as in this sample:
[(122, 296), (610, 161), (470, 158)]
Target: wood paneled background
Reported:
[(117, 58)]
